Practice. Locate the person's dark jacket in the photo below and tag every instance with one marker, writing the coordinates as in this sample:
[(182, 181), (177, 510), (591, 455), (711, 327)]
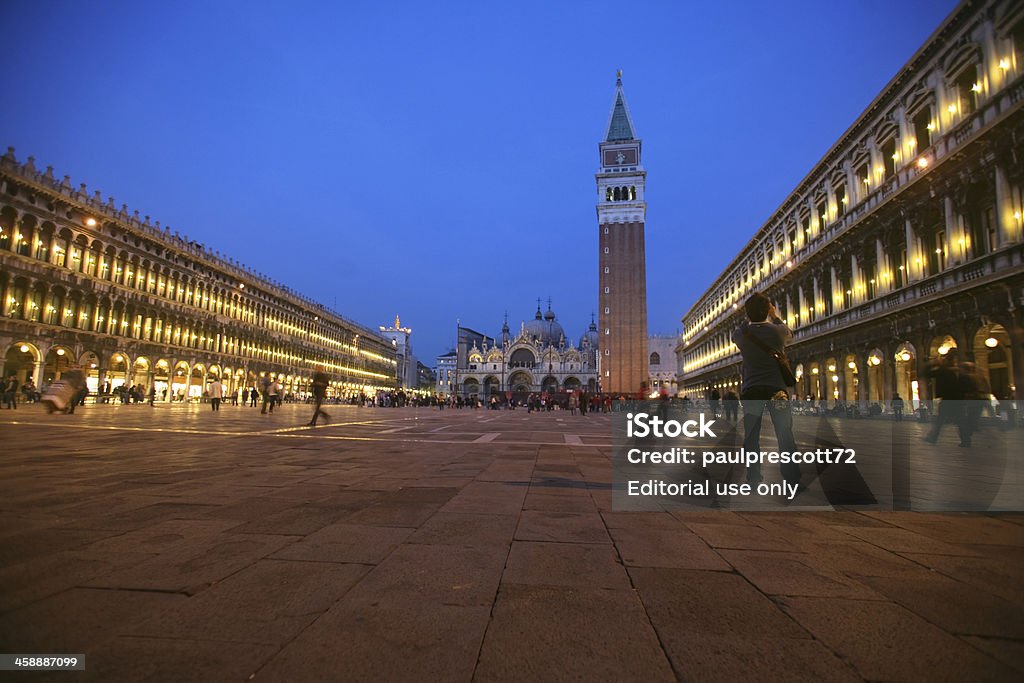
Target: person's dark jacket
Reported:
[(759, 368)]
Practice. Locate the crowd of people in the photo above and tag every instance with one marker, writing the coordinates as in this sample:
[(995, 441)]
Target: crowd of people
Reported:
[(963, 393), (9, 392)]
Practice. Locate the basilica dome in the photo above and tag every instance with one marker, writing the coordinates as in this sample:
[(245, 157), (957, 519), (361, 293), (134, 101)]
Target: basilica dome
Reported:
[(545, 328), (590, 336)]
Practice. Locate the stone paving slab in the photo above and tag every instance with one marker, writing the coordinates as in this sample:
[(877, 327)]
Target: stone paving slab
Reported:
[(884, 641), (543, 633), (206, 562), (1009, 652), (754, 658), (775, 573), (361, 642), (271, 602), (466, 530), (566, 527), (71, 621), (40, 577), (739, 537), (665, 547), (433, 575), (165, 660), (354, 543), (954, 606), (582, 565), (1000, 578), (710, 603), (178, 544)]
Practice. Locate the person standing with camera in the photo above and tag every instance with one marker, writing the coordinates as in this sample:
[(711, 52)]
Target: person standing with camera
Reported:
[(766, 381)]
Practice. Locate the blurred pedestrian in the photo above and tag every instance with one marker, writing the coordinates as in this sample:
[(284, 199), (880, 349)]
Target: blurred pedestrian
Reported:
[(897, 407), (977, 395), (10, 392), (216, 392), (319, 391), (715, 400), (950, 392), (265, 385), (732, 406)]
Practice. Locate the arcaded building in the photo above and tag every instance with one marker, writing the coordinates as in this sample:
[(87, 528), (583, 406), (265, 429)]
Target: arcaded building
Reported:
[(904, 242), (86, 284)]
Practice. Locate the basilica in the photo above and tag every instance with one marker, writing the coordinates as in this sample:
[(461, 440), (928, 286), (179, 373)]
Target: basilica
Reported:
[(539, 357)]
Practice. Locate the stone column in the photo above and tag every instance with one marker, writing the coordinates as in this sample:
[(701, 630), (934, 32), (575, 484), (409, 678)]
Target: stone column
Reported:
[(921, 361), (888, 373), (101, 375), (1007, 227), (864, 385), (836, 289), (129, 374), (990, 54), (951, 240), (883, 279), (906, 131), (1016, 356), (856, 280), (26, 302), (913, 270), (816, 303), (37, 373), (874, 161)]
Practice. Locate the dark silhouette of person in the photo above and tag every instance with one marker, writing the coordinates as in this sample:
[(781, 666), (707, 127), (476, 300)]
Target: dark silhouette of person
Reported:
[(763, 385), (950, 391), (319, 389), (897, 407)]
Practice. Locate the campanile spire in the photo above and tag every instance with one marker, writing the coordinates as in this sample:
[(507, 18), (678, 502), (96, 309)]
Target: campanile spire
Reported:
[(622, 270)]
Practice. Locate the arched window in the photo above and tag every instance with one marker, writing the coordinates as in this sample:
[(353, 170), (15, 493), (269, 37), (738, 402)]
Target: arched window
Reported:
[(655, 358), (522, 358), (616, 194)]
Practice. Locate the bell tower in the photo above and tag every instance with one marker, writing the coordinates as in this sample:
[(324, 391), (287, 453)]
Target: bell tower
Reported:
[(622, 272)]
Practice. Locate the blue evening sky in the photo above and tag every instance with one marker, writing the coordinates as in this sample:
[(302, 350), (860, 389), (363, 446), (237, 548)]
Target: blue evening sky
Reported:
[(436, 160)]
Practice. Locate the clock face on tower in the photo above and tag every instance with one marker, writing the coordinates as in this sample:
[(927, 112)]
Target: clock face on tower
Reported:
[(624, 156)]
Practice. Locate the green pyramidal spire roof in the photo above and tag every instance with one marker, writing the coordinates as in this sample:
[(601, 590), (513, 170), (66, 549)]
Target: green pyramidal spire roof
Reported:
[(620, 124)]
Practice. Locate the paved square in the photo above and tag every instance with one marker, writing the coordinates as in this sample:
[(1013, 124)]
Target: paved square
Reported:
[(174, 543)]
